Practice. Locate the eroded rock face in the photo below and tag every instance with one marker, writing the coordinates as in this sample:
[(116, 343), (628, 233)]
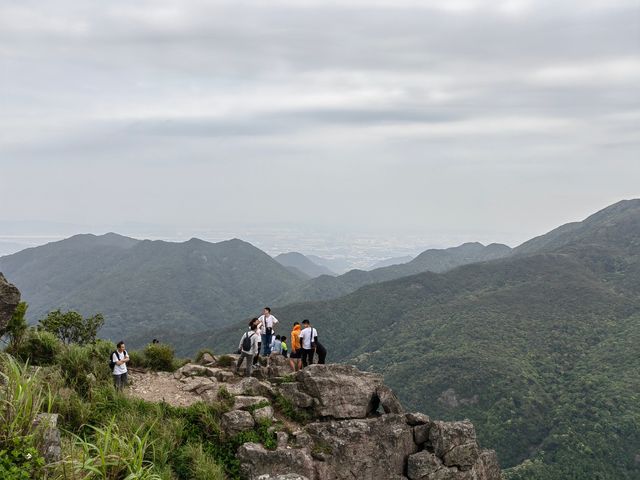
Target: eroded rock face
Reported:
[(9, 299), (256, 462)]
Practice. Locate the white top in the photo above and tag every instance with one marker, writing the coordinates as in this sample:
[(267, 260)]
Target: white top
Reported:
[(267, 322), (255, 338), (276, 346), (307, 336), (116, 357)]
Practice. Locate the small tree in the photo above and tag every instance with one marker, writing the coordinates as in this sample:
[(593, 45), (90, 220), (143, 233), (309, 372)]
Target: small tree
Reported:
[(70, 327), (17, 326)]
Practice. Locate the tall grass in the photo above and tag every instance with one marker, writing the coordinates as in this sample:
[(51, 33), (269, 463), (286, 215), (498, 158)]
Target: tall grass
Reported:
[(109, 455)]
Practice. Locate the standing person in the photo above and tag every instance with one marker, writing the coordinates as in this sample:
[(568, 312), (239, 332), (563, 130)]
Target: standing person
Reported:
[(283, 341), (277, 345), (308, 345), (296, 349), (320, 350), (268, 324), (248, 348), (119, 359), (256, 321)]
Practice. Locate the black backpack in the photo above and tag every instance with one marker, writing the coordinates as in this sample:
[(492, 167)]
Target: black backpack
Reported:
[(111, 362), (246, 342)]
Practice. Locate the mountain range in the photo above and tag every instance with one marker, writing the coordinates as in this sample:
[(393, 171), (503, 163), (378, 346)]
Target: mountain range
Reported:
[(538, 348), (300, 264)]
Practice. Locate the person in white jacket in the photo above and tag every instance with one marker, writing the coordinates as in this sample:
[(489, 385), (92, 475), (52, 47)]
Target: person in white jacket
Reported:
[(268, 323), (248, 349)]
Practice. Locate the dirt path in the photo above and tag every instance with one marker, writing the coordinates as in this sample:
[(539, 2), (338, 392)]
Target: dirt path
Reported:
[(160, 387)]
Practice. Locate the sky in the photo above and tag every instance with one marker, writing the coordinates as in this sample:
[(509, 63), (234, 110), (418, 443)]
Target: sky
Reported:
[(446, 120)]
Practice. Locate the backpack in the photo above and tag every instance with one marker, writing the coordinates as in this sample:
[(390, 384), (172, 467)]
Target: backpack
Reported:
[(111, 362), (246, 342)]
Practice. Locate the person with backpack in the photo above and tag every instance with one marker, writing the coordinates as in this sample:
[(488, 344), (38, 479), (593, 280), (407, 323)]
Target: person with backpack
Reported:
[(248, 348), (319, 348), (118, 365)]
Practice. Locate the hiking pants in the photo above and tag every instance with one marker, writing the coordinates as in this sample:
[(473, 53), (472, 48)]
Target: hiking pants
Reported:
[(266, 344), (249, 358), (307, 357), (120, 381)]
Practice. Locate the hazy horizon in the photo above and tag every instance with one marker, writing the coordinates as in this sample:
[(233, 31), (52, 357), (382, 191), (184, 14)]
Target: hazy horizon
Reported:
[(433, 122)]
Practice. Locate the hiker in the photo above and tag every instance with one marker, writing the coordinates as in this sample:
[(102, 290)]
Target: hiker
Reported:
[(268, 323), (256, 321), (119, 359), (320, 349), (276, 347), (248, 348), (283, 341), (296, 349), (308, 344)]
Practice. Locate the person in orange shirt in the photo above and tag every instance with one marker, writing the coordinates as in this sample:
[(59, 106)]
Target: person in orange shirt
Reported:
[(295, 358)]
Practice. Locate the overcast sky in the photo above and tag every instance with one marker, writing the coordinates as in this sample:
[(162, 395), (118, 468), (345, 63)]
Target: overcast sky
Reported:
[(486, 119)]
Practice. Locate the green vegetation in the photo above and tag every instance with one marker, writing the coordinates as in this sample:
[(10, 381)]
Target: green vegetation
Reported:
[(70, 327)]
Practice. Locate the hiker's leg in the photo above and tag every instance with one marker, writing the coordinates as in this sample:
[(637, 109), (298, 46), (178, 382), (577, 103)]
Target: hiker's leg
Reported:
[(123, 380), (239, 362), (263, 342), (116, 381), (249, 366), (256, 358)]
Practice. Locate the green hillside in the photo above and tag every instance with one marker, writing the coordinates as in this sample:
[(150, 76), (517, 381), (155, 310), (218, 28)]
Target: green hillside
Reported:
[(147, 288), (539, 349), (432, 260)]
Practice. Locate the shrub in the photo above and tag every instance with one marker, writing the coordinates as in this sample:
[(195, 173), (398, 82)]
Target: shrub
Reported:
[(17, 328), (70, 327), (84, 366), (225, 361), (136, 359), (193, 463), (159, 356), (38, 348)]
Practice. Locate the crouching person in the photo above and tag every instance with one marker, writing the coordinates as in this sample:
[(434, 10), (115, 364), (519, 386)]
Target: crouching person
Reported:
[(119, 359), (248, 349)]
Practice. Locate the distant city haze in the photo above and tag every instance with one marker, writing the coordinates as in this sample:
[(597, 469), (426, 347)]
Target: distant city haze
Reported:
[(357, 129)]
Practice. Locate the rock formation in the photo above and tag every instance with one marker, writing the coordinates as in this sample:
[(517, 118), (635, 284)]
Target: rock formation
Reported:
[(356, 428), (9, 299)]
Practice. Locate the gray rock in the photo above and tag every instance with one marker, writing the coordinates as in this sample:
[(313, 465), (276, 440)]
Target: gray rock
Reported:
[(341, 391), (455, 443), (262, 414), (51, 446), (9, 300), (417, 418), (244, 401), (207, 359), (195, 370), (388, 400), (256, 461), (193, 384), (291, 392), (251, 386), (224, 376), (236, 421), (362, 448), (283, 439), (288, 476), (423, 465), (421, 434), (487, 466)]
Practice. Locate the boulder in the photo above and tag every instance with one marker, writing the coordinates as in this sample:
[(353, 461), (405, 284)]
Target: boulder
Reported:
[(388, 400), (9, 300), (251, 386), (50, 447), (487, 466), (375, 448), (288, 476), (198, 384), (195, 370), (236, 421), (244, 401), (421, 434), (256, 462), (340, 391), (224, 375), (417, 418), (283, 439), (264, 413), (455, 443), (207, 359), (425, 466), (292, 393)]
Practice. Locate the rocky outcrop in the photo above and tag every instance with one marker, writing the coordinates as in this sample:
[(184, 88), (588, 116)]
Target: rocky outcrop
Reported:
[(354, 426), (9, 299)]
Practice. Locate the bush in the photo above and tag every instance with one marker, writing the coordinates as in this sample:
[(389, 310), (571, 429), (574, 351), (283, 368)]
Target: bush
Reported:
[(193, 463), (83, 367), (38, 348), (159, 356), (70, 327), (136, 359), (225, 361)]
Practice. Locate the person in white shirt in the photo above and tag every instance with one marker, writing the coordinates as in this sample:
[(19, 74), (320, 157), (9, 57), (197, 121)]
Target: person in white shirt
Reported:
[(307, 342), (248, 348), (119, 359), (268, 322)]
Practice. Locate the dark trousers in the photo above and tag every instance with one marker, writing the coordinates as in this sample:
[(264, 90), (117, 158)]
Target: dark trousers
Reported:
[(120, 381), (322, 353), (307, 357)]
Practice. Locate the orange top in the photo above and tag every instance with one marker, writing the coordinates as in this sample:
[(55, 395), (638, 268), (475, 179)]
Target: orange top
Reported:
[(295, 338)]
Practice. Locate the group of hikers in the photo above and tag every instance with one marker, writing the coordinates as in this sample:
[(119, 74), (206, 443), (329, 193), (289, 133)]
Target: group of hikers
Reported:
[(260, 339)]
